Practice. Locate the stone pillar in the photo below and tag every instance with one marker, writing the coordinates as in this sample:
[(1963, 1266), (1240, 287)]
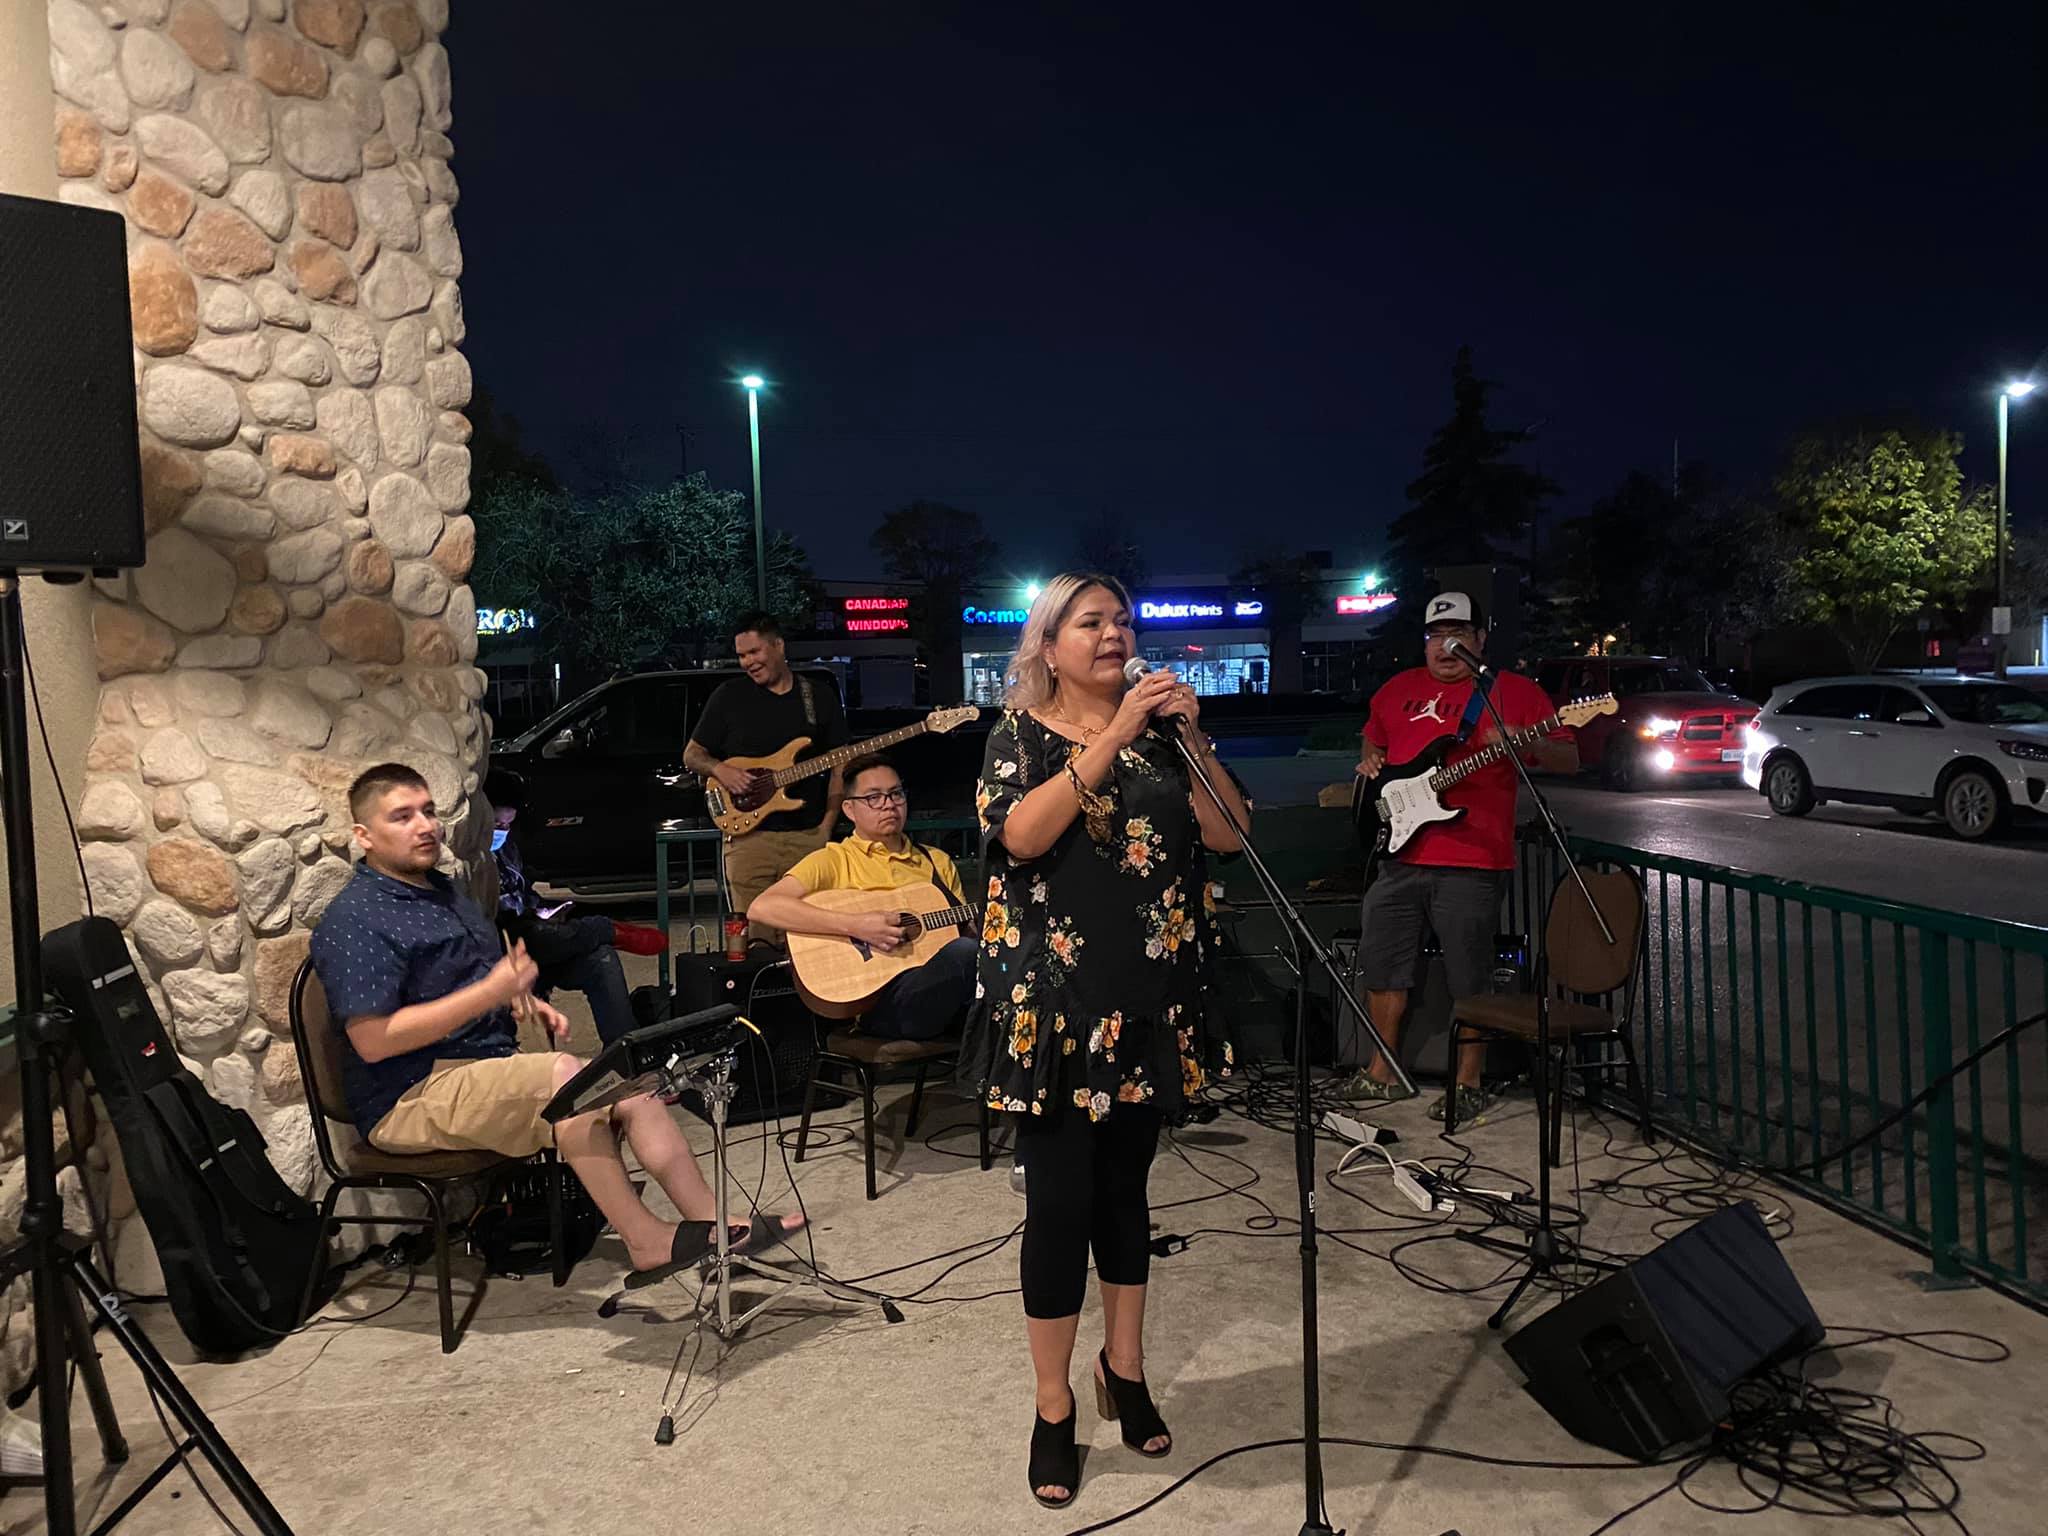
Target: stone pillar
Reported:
[(303, 611)]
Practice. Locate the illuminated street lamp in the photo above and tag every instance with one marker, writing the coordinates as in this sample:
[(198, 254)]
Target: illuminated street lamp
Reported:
[(2019, 389), (1031, 591), (753, 384)]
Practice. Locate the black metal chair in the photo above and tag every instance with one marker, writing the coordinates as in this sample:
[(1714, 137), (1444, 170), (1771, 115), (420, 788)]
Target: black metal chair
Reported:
[(1580, 965), (429, 1175), (872, 1062)]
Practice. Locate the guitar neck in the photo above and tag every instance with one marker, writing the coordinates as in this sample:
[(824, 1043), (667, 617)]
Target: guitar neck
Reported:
[(825, 762), (1454, 773), (951, 917)]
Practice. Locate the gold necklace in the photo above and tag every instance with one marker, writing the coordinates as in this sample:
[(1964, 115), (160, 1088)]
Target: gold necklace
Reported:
[(1088, 732)]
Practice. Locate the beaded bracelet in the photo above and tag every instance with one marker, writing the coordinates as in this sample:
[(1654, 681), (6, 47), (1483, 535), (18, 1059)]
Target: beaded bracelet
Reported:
[(1095, 808)]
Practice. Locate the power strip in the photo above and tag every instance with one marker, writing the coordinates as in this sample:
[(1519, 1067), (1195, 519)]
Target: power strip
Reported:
[(1419, 1197), (1360, 1132)]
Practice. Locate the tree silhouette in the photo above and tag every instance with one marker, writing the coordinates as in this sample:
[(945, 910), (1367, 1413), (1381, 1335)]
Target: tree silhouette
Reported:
[(944, 550), (1471, 505)]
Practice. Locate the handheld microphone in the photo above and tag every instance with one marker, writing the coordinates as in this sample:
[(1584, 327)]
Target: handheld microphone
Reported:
[(1463, 652), (1136, 668)]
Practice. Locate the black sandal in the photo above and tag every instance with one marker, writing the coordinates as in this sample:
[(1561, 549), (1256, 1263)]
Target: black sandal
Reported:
[(764, 1231), (692, 1242), (1128, 1405), (1055, 1463)]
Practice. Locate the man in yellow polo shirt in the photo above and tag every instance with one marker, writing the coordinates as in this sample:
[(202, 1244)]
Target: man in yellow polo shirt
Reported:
[(918, 1005)]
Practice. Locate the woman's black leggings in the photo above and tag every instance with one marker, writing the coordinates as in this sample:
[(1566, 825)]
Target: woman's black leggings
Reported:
[(1084, 1186)]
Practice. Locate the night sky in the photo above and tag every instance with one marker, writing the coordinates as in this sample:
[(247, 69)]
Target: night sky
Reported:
[(1205, 278)]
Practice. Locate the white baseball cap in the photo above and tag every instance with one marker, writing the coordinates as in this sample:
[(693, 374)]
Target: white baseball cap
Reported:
[(1450, 608)]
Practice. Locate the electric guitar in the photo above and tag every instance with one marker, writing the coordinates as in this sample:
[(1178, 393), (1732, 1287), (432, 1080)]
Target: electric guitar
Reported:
[(1390, 810), (838, 977), (738, 814)]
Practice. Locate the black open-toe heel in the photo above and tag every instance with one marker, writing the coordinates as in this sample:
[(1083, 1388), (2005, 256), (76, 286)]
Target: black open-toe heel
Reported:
[(1055, 1463), (1128, 1405)]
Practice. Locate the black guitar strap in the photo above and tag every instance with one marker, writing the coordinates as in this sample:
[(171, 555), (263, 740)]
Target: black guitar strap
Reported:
[(1475, 709), (937, 879)]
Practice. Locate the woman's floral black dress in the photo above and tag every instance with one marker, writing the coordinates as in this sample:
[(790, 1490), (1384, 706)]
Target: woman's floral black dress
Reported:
[(1092, 975)]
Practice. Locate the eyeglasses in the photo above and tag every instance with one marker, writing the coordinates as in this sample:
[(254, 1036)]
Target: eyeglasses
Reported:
[(875, 800)]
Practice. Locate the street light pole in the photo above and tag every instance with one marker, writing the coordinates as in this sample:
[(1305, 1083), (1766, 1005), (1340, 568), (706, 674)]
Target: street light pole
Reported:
[(753, 383), (2002, 643)]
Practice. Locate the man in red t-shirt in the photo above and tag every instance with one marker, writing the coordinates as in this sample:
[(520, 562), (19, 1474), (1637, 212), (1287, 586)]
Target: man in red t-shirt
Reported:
[(1451, 875)]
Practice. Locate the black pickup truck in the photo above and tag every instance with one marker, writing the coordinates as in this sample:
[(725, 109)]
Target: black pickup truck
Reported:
[(605, 771)]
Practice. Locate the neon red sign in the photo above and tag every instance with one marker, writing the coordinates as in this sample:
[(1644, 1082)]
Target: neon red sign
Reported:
[(874, 604), (1368, 602), (877, 626)]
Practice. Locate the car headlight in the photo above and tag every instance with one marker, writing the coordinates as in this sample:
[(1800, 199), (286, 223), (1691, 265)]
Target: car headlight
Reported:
[(1657, 726), (2033, 751)]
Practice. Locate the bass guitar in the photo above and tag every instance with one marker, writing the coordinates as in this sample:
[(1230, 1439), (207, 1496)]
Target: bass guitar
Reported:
[(738, 814), (1390, 810), (838, 977)]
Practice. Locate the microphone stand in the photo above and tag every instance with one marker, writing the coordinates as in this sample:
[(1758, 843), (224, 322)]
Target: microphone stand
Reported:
[(1298, 933), (1540, 1254)]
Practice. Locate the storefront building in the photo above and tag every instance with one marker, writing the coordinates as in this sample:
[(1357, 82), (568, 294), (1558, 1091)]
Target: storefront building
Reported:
[(1339, 638)]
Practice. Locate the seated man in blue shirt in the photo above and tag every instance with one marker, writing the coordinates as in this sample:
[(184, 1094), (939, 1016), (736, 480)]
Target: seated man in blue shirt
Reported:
[(431, 1060)]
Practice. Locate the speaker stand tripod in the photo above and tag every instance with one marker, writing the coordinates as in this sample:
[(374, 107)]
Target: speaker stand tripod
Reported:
[(59, 1265)]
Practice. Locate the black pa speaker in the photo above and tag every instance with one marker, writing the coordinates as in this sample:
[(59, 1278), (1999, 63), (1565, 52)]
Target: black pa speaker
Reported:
[(1644, 1360), (70, 483), (772, 1069)]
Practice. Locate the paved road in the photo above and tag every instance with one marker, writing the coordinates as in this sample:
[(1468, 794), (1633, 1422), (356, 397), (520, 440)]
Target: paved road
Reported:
[(1852, 848)]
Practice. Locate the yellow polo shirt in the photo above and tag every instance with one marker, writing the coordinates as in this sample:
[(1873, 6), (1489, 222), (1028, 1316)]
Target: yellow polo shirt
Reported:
[(861, 864)]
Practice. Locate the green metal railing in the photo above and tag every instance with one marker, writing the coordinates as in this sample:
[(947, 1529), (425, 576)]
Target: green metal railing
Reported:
[(959, 836), (1781, 1021)]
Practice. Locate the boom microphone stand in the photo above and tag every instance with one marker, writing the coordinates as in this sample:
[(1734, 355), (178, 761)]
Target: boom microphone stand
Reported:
[(1541, 1251), (59, 1265), (1299, 934)]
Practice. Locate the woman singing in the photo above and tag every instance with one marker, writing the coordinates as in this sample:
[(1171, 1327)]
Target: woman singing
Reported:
[(1090, 982)]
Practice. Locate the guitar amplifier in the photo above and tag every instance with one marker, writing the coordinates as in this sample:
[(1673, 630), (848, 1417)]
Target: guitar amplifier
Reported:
[(1426, 1029), (771, 1072)]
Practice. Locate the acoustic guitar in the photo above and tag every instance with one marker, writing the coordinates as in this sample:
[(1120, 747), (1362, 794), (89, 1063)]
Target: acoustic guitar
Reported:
[(838, 977), (1390, 810), (738, 814)]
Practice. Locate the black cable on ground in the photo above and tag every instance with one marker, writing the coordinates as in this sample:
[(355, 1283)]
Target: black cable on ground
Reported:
[(1794, 1445)]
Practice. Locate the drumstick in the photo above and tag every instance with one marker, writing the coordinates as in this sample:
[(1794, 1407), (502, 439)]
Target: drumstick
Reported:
[(522, 1005)]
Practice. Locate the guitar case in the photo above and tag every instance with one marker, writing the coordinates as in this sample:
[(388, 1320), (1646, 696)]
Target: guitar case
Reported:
[(239, 1248)]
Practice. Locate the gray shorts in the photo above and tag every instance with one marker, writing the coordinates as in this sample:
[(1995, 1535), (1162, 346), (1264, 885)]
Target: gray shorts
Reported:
[(1460, 906)]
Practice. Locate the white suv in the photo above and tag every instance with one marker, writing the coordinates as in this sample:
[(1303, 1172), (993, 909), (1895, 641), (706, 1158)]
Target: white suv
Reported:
[(1972, 750)]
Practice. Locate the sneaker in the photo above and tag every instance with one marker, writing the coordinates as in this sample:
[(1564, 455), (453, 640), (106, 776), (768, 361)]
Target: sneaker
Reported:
[(638, 938), (1017, 1178), (1473, 1104), (1361, 1087)]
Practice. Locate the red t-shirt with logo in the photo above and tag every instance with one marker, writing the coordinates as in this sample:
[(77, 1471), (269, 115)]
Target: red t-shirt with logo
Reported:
[(1413, 710)]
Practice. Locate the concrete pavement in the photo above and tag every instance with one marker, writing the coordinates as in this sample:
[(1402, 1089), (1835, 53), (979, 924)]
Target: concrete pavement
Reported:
[(826, 1419)]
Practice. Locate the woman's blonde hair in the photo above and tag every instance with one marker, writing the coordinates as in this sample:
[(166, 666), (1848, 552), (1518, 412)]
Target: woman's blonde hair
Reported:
[(1028, 682)]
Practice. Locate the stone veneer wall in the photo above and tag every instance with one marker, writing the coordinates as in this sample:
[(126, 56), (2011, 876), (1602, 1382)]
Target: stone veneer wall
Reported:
[(293, 264)]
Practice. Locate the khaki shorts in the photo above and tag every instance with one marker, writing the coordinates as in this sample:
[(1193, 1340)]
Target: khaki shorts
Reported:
[(755, 862), (492, 1105)]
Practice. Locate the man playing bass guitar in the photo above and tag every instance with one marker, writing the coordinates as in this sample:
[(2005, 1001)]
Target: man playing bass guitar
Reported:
[(753, 717), (1450, 877)]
